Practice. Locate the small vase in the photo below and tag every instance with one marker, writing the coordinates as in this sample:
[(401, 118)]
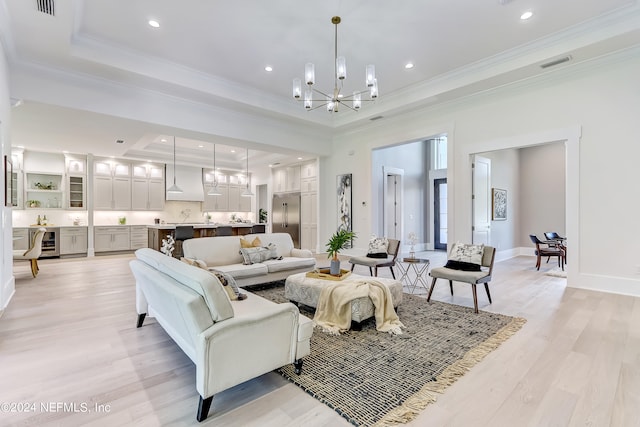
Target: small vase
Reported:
[(334, 269), (412, 255)]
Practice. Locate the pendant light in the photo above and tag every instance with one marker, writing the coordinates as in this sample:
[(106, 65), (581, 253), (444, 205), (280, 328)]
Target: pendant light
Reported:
[(247, 192), (214, 190), (174, 188)]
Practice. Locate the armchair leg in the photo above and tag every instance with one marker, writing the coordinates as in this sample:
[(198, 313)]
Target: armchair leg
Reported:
[(486, 288), (34, 267), (451, 286), (370, 272), (475, 297), (203, 408), (352, 266), (297, 365), (392, 273), (141, 319), (433, 285), (375, 270)]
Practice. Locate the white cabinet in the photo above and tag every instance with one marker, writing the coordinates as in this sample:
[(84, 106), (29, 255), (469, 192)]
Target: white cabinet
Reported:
[(73, 240), (147, 194), (309, 220), (16, 185), (112, 185), (138, 237), (76, 192), (43, 190), (286, 179), (147, 187), (216, 203), (237, 202), (308, 170), (111, 238), (20, 239)]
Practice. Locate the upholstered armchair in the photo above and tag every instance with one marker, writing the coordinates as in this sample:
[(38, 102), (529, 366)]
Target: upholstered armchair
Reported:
[(33, 253), (389, 260)]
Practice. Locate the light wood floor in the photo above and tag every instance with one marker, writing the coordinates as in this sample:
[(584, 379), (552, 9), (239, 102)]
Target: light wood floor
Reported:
[(69, 338)]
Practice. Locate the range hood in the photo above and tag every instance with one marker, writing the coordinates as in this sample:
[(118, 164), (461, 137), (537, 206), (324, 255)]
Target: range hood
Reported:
[(189, 179)]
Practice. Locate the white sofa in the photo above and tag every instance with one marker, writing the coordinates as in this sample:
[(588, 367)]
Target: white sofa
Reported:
[(230, 342), (223, 254)]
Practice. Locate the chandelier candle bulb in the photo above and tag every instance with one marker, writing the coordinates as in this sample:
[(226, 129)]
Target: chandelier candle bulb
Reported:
[(309, 73), (357, 100), (341, 68), (297, 88), (370, 75)]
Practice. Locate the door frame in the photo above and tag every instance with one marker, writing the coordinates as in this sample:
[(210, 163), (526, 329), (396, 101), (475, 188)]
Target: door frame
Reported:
[(437, 243), (387, 171)]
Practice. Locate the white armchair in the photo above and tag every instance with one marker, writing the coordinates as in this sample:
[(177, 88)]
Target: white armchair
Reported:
[(33, 253)]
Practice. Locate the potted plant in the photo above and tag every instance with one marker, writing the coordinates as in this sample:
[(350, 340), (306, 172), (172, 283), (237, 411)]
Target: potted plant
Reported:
[(336, 243)]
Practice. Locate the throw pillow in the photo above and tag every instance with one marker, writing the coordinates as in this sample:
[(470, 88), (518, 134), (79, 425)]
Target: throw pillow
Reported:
[(229, 284), (377, 255), (467, 253), (462, 266), (378, 245), (254, 255), (253, 244)]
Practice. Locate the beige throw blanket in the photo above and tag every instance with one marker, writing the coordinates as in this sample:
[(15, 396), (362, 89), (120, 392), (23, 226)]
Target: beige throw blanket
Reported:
[(333, 313)]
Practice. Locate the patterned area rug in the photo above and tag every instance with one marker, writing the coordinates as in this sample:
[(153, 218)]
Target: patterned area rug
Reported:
[(376, 379)]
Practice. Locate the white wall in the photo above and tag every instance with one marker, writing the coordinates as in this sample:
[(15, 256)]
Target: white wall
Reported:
[(594, 106), (7, 283), (543, 190)]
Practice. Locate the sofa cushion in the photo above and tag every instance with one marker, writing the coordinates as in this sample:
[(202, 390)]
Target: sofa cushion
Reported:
[(289, 263), (200, 281), (239, 271), (215, 251)]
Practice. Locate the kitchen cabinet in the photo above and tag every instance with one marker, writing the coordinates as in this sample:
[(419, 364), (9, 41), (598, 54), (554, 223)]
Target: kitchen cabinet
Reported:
[(73, 240), (112, 185), (43, 190), (309, 220), (111, 238), (147, 187), (238, 202), (156, 236), (16, 184), (20, 238), (216, 203), (76, 192), (286, 179), (138, 236), (147, 194)]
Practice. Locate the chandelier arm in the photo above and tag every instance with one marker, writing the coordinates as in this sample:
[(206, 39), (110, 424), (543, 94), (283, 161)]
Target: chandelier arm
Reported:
[(321, 93), (347, 105)]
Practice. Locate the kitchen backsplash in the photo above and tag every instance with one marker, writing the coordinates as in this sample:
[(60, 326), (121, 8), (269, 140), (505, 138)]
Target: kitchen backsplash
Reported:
[(174, 211)]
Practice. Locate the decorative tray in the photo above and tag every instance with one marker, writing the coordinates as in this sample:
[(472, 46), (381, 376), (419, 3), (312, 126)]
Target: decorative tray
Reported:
[(323, 273)]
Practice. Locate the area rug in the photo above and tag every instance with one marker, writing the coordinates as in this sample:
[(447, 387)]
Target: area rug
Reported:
[(376, 379)]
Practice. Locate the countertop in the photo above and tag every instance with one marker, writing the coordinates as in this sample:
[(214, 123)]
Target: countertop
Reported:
[(201, 225)]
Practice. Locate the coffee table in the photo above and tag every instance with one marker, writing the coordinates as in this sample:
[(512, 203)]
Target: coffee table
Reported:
[(300, 289)]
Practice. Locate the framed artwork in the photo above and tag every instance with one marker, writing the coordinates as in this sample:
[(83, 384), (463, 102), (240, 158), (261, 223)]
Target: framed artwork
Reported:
[(499, 204), (8, 181), (344, 190)]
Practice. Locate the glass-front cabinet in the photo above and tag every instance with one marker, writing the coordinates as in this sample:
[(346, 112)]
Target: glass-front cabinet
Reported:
[(76, 191)]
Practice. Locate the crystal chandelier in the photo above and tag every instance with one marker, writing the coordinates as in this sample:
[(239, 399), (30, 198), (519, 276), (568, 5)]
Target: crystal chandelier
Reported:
[(335, 99)]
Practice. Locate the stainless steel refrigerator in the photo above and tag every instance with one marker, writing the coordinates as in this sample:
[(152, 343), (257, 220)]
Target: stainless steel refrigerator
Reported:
[(286, 215)]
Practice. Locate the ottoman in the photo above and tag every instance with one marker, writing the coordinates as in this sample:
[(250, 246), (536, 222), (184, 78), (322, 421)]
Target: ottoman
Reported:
[(300, 289)]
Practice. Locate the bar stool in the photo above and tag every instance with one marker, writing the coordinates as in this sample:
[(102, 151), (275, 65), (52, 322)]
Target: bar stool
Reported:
[(183, 232)]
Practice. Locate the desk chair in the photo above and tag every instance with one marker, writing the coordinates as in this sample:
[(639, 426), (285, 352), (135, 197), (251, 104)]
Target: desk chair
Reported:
[(34, 251)]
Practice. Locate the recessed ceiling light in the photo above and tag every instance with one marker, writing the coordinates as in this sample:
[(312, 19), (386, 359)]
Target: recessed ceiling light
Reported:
[(268, 68), (163, 140), (299, 158), (408, 65), (154, 23), (233, 151), (528, 14), (200, 146)]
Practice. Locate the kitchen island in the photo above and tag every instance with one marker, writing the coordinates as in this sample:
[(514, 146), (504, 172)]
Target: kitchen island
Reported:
[(158, 232)]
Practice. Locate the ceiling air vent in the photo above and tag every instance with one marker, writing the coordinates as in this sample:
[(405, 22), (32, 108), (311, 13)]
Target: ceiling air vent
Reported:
[(46, 6), (375, 118), (556, 62)]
